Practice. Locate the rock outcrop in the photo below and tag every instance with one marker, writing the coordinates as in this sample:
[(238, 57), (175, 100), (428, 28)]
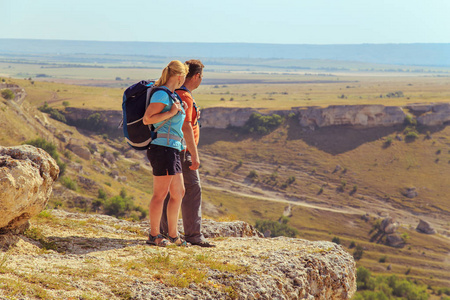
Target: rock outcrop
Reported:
[(26, 177), (358, 116), (431, 114), (223, 117), (351, 115), (97, 256)]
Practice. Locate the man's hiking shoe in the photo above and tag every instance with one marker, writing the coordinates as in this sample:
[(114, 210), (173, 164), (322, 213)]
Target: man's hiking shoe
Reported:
[(162, 243), (204, 244)]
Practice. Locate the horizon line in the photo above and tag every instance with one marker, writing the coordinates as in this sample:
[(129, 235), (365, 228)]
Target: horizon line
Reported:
[(244, 43)]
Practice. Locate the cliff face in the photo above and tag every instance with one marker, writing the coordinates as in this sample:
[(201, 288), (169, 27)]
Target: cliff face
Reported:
[(97, 256), (358, 116)]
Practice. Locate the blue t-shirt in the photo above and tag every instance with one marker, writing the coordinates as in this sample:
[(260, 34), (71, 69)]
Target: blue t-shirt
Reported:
[(175, 123)]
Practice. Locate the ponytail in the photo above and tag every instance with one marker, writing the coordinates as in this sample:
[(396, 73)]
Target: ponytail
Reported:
[(174, 68), (164, 77)]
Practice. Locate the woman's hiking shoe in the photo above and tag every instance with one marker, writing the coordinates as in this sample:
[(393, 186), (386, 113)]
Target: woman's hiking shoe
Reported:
[(204, 244), (178, 241), (152, 240)]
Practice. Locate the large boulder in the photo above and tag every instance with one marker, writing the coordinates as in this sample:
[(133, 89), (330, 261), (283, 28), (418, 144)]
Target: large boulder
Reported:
[(395, 240), (388, 225), (77, 147), (26, 177), (425, 227)]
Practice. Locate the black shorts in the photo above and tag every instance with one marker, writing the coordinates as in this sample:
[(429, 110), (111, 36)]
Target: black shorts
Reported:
[(164, 160)]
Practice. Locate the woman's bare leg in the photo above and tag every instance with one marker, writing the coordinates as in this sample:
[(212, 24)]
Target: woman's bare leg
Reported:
[(173, 207), (161, 186)]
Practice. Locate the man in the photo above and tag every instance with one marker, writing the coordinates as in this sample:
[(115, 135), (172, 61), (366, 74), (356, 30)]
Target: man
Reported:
[(192, 200)]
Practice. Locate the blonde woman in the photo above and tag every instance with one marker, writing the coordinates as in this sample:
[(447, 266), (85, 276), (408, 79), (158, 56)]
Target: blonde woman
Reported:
[(164, 153)]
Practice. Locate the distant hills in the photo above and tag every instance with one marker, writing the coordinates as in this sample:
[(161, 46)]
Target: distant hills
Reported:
[(436, 55)]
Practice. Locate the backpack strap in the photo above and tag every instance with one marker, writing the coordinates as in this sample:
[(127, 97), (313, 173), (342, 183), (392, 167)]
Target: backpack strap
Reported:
[(183, 88), (169, 136)]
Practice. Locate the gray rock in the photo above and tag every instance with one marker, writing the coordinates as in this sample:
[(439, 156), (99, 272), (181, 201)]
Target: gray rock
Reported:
[(410, 192), (425, 227), (394, 240), (77, 147), (223, 117), (439, 115), (388, 225)]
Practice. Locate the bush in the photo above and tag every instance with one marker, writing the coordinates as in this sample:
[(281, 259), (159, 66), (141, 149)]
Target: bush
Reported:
[(388, 141), (358, 253), (252, 174), (382, 287), (410, 121), (121, 206), (8, 94), (68, 183), (258, 123), (411, 135), (53, 112), (276, 228), (383, 259), (336, 240)]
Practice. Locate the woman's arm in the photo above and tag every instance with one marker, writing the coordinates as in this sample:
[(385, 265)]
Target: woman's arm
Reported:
[(154, 115)]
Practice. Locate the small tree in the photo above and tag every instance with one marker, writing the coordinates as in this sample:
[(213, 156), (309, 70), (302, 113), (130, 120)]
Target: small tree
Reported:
[(8, 94)]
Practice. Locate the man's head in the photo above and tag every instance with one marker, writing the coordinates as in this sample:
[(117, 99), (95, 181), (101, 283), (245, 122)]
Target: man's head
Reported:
[(195, 75)]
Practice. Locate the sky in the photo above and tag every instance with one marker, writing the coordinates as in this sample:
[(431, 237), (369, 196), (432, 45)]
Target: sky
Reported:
[(229, 21)]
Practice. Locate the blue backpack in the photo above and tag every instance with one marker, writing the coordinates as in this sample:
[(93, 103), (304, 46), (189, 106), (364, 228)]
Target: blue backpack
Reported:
[(136, 99)]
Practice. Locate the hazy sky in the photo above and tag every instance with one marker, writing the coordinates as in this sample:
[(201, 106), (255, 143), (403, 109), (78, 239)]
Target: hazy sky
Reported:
[(249, 21)]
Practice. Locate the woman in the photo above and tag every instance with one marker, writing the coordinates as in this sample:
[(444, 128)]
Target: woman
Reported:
[(164, 153)]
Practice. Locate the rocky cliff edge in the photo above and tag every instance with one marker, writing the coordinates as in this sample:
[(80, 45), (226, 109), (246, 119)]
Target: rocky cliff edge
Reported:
[(78, 256)]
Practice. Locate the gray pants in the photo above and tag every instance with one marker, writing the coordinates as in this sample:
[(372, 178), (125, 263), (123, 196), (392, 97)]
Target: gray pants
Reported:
[(191, 206)]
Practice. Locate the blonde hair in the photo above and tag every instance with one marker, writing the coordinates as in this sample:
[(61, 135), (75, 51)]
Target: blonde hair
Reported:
[(174, 68)]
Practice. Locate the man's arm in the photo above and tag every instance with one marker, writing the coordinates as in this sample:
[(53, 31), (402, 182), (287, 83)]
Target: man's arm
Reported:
[(191, 146)]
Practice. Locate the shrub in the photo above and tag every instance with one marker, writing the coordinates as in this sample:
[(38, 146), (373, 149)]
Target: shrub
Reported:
[(7, 94), (336, 240), (68, 183), (258, 123), (411, 135), (122, 206), (276, 228), (252, 174), (291, 180), (358, 253), (391, 287), (410, 121), (53, 112), (101, 194), (388, 142)]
